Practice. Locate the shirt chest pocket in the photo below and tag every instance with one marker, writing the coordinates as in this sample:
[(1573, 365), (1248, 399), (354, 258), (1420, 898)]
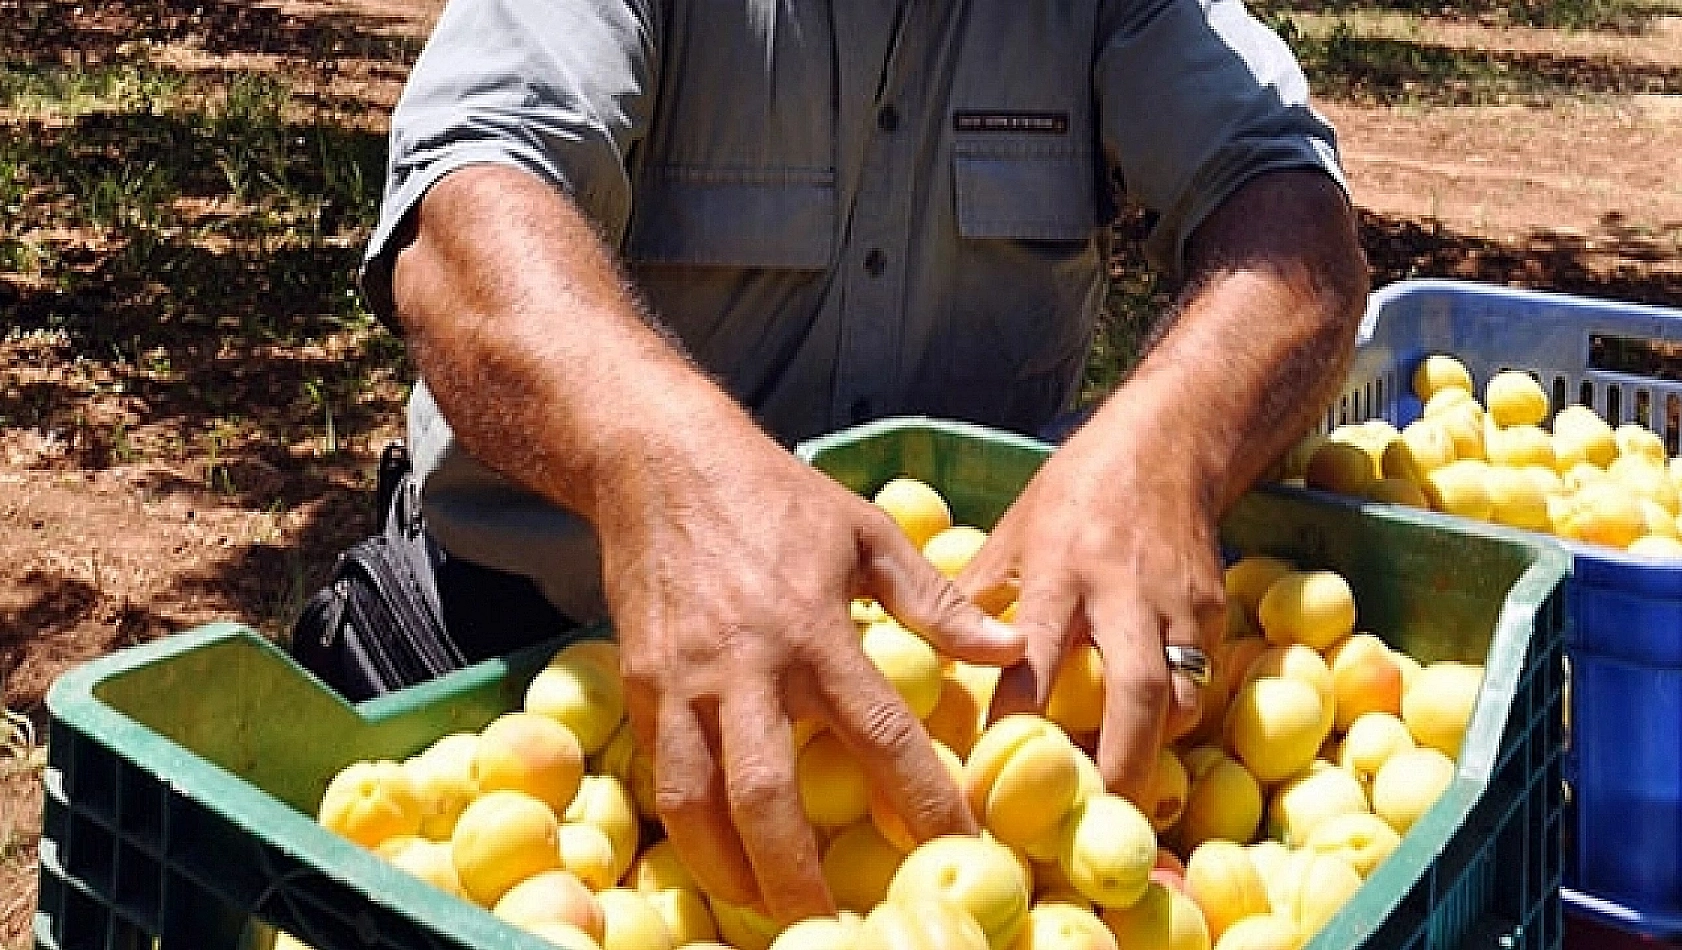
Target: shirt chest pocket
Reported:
[(743, 218), (1024, 157), (1025, 192)]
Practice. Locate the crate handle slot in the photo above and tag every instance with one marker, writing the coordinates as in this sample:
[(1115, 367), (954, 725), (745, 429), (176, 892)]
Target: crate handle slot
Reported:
[(1659, 360)]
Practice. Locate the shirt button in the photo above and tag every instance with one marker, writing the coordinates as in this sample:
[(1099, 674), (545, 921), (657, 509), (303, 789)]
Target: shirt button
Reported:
[(860, 410), (875, 262), (887, 119)]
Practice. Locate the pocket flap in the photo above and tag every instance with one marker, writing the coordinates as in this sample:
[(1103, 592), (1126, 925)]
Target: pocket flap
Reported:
[(757, 218), (1027, 194)]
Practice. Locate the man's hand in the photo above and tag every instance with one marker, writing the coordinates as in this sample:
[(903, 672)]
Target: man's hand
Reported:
[(729, 577), (1114, 539), (728, 564), (1111, 543)]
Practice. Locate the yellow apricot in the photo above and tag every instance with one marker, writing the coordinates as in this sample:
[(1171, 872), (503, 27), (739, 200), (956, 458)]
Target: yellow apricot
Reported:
[(580, 688), (1361, 838), (1310, 798), (916, 507), (1111, 849), (1408, 784), (1225, 883), (1022, 779), (369, 802), (1440, 371), (1515, 398), (976, 874), (1314, 607), (1438, 705), (1276, 725)]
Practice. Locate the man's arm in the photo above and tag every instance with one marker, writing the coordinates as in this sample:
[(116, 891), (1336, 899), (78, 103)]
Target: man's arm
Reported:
[(1115, 538), (728, 564)]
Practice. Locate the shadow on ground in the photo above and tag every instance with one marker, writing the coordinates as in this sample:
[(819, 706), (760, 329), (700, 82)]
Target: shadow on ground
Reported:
[(1385, 71), (1617, 263), (69, 31)]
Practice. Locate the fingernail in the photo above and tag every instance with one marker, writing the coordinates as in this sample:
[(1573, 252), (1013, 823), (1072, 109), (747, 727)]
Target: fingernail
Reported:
[(1002, 633)]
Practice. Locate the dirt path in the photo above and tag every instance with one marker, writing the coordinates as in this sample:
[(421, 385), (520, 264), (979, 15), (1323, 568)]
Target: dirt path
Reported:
[(1605, 172), (124, 515)]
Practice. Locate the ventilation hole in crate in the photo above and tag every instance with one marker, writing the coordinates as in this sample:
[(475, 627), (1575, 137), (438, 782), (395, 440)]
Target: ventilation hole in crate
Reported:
[(1637, 356), (1643, 412), (1585, 394), (1559, 392), (91, 779), (1343, 409), (88, 923), (140, 805), (90, 854), (1383, 404), (1614, 405), (139, 886), (1673, 424)]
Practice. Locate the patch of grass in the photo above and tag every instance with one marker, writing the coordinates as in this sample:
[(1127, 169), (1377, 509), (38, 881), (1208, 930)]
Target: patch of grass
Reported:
[(1356, 57), (196, 235), (1617, 16), (31, 88)]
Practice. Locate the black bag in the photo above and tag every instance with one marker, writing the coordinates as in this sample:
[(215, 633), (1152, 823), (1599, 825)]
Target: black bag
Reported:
[(379, 625)]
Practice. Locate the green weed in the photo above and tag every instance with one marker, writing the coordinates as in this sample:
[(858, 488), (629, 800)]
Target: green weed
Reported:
[(1619, 16), (248, 135), (318, 395), (35, 88), (125, 196)]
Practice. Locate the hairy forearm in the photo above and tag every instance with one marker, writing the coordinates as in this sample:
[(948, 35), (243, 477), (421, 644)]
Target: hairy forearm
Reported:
[(1262, 336), (533, 346)]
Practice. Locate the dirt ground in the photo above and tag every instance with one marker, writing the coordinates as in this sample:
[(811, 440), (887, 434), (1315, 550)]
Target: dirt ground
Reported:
[(101, 549)]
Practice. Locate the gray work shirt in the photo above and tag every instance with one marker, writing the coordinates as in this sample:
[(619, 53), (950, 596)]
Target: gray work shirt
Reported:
[(845, 209)]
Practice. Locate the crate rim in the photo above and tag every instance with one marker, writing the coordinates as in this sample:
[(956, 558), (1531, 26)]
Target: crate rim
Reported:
[(1382, 297), (72, 700)]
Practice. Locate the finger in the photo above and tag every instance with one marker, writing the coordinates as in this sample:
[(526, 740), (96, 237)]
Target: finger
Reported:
[(1046, 619), (928, 602), (1136, 697), (1185, 706), (758, 757), (1185, 697), (990, 578), (1200, 623), (691, 800), (895, 750)]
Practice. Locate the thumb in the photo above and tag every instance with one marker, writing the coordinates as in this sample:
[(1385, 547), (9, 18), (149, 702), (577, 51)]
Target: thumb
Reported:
[(927, 602)]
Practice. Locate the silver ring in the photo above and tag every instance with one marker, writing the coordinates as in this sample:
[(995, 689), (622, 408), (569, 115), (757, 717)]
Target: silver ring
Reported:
[(1190, 661)]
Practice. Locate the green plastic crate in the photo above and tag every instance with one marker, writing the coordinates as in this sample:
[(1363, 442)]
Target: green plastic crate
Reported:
[(184, 773), (181, 787), (1482, 867)]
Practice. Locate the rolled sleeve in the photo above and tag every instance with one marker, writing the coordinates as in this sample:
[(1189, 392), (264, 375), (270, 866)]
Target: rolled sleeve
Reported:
[(1196, 99), (559, 88)]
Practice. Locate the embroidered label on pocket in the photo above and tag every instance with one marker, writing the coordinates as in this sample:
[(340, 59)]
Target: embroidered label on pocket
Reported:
[(1045, 123)]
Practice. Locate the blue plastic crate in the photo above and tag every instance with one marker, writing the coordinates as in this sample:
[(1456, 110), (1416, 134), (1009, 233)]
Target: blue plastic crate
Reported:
[(1623, 834)]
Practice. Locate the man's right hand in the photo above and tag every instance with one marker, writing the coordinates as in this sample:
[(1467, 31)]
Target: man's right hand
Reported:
[(728, 564), (729, 576)]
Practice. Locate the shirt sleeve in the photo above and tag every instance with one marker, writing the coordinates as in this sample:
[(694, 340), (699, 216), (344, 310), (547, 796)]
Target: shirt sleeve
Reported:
[(560, 88), (1196, 97)]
